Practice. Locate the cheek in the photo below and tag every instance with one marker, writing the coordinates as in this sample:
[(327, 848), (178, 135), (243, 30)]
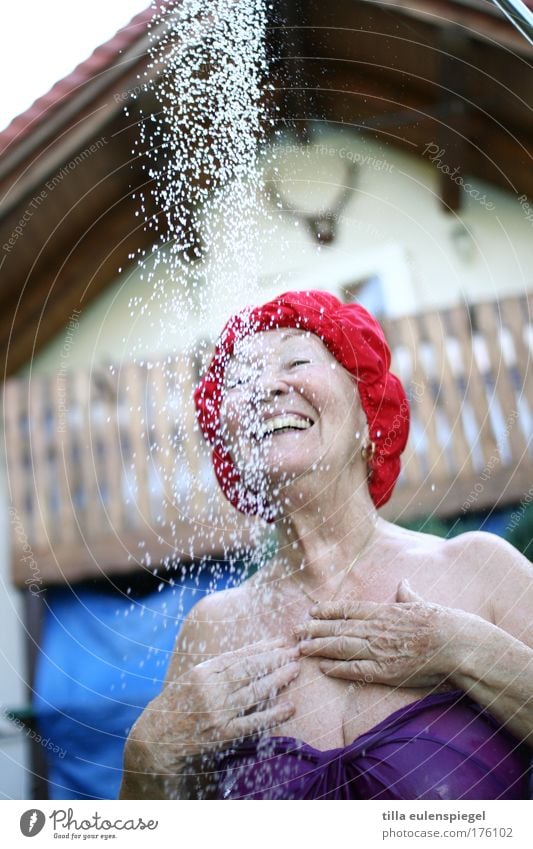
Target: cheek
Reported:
[(234, 429), (228, 422)]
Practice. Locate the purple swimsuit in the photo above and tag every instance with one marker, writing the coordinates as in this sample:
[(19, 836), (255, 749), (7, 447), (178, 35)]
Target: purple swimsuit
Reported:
[(444, 746)]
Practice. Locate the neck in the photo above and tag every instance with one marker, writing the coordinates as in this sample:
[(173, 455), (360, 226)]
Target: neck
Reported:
[(325, 535)]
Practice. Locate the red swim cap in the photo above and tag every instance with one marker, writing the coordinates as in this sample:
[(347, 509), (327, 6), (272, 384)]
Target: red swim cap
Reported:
[(357, 342)]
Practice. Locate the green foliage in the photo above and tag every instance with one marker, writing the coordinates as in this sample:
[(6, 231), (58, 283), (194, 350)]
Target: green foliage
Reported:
[(519, 530), (463, 525), (441, 527), (426, 525), (520, 533)]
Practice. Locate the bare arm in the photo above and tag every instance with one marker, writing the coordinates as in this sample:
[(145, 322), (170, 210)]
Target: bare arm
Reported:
[(209, 700), (144, 775), (495, 660)]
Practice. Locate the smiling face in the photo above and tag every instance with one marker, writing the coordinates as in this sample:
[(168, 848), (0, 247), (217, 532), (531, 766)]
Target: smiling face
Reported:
[(289, 408)]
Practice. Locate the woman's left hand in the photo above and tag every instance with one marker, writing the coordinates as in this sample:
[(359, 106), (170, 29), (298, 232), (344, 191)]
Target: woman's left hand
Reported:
[(410, 642)]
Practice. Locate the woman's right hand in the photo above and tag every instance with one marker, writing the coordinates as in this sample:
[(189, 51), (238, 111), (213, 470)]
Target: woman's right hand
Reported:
[(217, 702)]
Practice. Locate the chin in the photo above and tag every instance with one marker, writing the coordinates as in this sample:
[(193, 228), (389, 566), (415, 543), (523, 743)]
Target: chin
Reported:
[(281, 474), (277, 463)]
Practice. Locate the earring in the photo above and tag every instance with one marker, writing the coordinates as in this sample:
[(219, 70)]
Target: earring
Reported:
[(368, 451)]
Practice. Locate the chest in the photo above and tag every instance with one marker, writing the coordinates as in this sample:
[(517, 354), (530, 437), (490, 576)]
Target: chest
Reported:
[(332, 712), (329, 712)]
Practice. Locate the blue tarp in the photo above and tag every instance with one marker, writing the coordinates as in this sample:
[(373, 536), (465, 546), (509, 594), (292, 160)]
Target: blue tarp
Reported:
[(103, 657)]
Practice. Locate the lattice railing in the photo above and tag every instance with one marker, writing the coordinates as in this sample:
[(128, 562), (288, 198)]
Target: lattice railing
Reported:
[(107, 469), (469, 374)]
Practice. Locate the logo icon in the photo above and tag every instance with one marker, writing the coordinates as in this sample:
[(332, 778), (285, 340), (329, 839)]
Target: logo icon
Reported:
[(32, 822)]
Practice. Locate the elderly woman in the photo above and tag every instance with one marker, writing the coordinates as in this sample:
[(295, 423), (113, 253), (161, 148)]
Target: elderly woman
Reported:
[(362, 661)]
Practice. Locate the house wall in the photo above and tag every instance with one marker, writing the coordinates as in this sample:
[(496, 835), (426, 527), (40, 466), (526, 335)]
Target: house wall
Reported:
[(393, 225)]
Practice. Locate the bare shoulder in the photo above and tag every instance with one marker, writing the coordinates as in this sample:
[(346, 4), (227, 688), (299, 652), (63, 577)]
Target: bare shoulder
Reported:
[(502, 573), (212, 626), (479, 550)]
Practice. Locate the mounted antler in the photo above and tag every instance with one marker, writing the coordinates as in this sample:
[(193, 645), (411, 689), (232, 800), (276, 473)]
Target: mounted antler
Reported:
[(323, 224)]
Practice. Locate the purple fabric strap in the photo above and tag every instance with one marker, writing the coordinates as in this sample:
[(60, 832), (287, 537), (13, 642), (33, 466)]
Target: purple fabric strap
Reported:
[(444, 746)]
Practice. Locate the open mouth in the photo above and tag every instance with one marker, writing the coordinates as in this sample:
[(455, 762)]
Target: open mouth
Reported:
[(283, 424)]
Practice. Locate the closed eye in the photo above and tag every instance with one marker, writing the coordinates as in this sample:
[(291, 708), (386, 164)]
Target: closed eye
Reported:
[(299, 362), (238, 381)]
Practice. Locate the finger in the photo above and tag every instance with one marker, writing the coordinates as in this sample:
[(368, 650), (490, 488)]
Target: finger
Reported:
[(227, 659), (337, 648), (312, 628), (260, 645), (261, 720), (360, 670), (406, 593), (346, 610), (249, 669), (264, 689)]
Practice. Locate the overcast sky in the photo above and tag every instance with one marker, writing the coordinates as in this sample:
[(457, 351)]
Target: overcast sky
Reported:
[(43, 40)]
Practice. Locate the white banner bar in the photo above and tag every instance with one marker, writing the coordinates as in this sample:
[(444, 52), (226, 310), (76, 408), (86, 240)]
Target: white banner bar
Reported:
[(266, 825)]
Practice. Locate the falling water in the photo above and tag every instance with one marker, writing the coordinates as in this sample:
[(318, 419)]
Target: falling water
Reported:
[(201, 152), (201, 148)]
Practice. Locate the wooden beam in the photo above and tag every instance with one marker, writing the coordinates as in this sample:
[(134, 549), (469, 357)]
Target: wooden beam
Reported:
[(454, 130), (366, 104), (79, 276), (505, 486), (119, 554)]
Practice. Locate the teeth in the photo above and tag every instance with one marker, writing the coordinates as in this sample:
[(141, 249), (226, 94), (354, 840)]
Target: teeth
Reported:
[(281, 422)]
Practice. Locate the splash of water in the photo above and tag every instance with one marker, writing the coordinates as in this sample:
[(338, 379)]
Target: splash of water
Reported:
[(209, 65), (201, 150)]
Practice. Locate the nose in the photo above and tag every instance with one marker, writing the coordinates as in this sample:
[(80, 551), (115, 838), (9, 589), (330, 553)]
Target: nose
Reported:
[(271, 384)]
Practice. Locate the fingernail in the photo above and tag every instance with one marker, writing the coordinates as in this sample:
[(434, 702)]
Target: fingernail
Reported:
[(314, 610)]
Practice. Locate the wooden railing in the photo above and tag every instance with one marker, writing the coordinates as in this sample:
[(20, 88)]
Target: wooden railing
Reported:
[(469, 376), (108, 472)]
